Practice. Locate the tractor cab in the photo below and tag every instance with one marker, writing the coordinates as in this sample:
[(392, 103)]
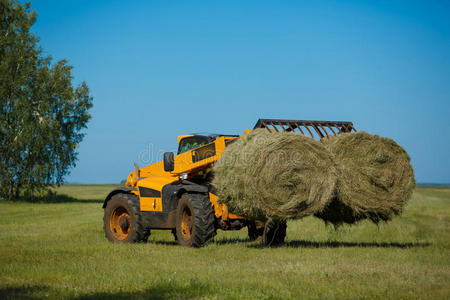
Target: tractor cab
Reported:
[(192, 141)]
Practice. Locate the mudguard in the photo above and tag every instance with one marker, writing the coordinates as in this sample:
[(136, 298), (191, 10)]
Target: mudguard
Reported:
[(172, 192), (118, 190)]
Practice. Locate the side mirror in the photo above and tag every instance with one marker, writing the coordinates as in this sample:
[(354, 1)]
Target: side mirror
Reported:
[(169, 164)]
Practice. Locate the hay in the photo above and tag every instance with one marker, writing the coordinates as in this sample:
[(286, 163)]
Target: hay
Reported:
[(275, 175), (375, 178)]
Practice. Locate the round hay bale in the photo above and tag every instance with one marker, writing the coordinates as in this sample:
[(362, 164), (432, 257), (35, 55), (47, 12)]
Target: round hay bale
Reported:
[(375, 178), (275, 175), (229, 178)]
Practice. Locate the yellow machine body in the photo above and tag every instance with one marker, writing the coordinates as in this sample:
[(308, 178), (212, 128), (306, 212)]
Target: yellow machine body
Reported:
[(195, 162)]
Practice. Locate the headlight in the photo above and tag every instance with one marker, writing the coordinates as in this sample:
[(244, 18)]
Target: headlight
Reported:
[(183, 176)]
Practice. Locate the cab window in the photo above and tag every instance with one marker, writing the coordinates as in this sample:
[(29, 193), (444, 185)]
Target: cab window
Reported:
[(192, 142)]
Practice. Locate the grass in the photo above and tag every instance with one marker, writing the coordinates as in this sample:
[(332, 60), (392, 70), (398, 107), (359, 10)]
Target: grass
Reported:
[(58, 250)]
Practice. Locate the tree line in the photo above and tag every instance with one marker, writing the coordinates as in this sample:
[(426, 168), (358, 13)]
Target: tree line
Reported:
[(43, 115)]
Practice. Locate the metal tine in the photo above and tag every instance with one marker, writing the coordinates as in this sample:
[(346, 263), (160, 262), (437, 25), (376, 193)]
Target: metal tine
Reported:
[(350, 128), (317, 130), (308, 130), (293, 128), (274, 127), (331, 128), (265, 126), (290, 126), (299, 128), (323, 129), (340, 131)]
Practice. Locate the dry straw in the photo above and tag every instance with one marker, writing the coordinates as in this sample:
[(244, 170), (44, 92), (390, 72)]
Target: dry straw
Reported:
[(281, 175), (375, 178)]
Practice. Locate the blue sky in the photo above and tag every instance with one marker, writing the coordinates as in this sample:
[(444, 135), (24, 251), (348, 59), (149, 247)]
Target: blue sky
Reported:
[(158, 69)]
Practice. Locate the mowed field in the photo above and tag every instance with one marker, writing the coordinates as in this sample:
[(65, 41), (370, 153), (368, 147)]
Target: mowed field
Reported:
[(56, 249)]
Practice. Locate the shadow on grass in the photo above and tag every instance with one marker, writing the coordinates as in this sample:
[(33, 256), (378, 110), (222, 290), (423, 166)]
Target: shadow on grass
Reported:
[(165, 243), (171, 290), (23, 292), (223, 241), (227, 241), (193, 289), (339, 244), (52, 197), (304, 244)]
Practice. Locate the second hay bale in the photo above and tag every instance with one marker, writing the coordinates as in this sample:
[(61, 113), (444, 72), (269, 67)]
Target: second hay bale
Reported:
[(375, 178)]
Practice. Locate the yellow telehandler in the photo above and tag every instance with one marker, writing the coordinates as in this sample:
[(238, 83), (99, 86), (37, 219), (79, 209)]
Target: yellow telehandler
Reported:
[(176, 193)]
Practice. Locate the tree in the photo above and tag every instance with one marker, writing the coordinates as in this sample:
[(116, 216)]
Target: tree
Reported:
[(43, 115)]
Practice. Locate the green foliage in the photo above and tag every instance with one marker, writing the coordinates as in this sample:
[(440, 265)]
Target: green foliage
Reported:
[(59, 251), (42, 114)]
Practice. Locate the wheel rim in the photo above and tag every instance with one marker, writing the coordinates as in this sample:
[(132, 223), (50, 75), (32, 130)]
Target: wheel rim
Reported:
[(120, 223), (186, 223)]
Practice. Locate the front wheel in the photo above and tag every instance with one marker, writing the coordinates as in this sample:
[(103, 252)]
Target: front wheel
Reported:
[(195, 220), (122, 220)]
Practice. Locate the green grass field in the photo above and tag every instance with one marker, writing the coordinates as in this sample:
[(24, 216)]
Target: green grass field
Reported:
[(58, 250)]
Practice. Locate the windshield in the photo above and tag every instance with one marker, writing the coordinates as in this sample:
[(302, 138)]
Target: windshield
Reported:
[(192, 142)]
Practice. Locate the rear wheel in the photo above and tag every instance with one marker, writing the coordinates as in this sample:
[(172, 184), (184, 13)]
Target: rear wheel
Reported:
[(274, 233), (255, 230), (122, 220), (195, 220), (270, 233)]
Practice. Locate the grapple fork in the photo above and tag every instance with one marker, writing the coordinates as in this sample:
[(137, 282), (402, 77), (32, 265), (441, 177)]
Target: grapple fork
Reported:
[(316, 129)]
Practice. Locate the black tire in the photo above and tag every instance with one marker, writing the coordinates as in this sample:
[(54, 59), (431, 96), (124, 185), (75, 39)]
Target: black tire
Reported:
[(122, 220), (195, 220), (255, 230), (274, 233)]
